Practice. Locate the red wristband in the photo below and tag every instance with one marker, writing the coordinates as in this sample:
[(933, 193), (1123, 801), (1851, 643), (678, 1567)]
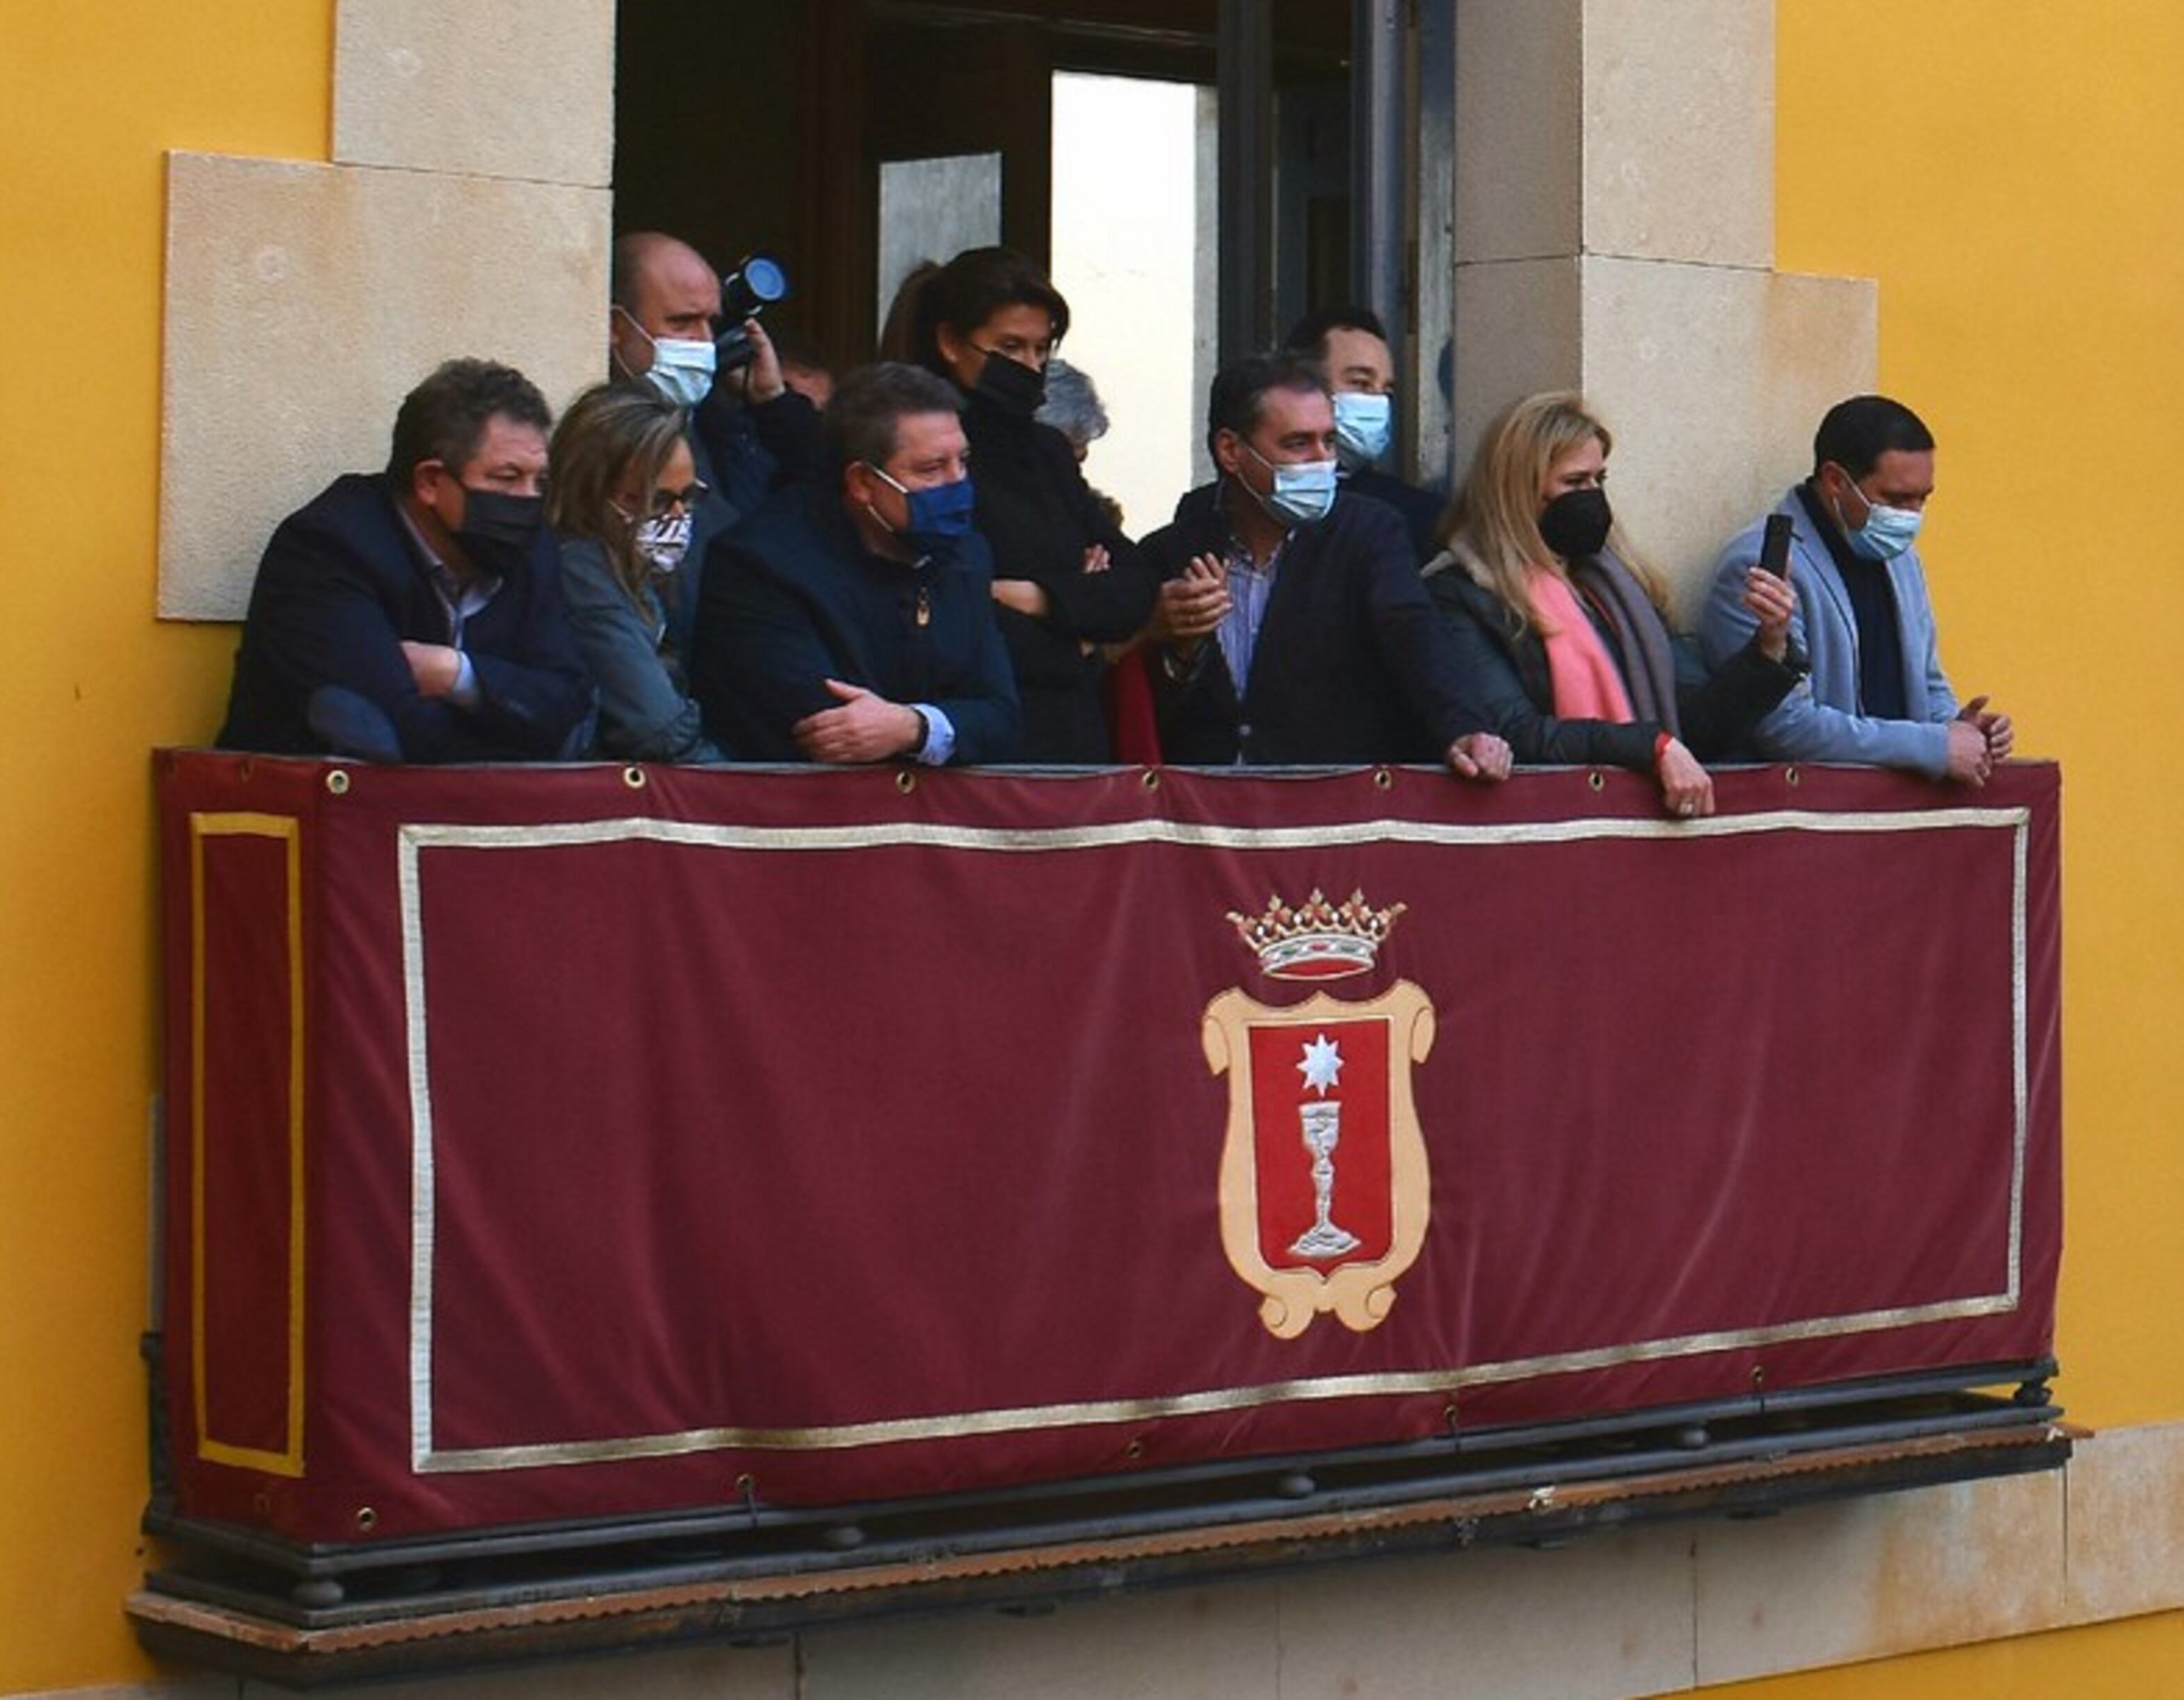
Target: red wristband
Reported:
[(1660, 748)]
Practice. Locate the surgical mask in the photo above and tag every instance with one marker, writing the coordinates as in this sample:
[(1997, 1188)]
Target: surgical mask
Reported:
[(1364, 425), (1009, 385), (939, 514), (682, 367), (1575, 525), (1887, 532), (498, 529), (1303, 493), (662, 541)]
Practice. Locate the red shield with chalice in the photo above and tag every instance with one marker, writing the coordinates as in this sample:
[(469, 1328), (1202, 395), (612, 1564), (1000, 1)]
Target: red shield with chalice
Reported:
[(1324, 1187)]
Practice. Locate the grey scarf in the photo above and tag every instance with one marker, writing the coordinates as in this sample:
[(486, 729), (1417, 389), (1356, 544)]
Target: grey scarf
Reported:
[(1649, 664)]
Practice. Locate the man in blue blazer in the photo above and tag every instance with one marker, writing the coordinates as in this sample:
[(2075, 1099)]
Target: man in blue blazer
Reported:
[(855, 622), (415, 615), (1876, 694)]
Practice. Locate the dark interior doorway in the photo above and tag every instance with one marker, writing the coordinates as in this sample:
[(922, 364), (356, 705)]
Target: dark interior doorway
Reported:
[(793, 129), (768, 127)]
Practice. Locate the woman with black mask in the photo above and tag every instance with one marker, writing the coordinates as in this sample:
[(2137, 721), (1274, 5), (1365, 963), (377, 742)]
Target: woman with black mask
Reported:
[(1563, 631), (1066, 580)]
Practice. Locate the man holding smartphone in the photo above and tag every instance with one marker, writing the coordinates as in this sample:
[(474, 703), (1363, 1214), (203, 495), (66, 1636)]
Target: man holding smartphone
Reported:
[(1876, 694)]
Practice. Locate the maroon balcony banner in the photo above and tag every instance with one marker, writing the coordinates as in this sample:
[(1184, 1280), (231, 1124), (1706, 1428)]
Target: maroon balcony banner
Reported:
[(564, 1143)]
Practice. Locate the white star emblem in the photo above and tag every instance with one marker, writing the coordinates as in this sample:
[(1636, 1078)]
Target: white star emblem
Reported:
[(1322, 1067)]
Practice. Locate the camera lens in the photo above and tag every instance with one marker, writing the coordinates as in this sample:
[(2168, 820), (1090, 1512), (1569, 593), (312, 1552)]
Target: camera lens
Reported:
[(765, 278)]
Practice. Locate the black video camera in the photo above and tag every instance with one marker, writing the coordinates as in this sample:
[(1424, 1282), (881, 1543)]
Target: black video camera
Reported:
[(745, 293)]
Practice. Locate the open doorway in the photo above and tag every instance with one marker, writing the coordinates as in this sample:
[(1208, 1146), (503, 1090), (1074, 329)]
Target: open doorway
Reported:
[(1184, 168), (1135, 253)]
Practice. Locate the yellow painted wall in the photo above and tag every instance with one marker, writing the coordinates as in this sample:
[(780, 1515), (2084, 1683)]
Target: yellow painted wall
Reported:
[(2140, 1658), (2009, 173), (92, 93)]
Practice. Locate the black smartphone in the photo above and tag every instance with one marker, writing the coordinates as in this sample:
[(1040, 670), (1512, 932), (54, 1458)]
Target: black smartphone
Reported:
[(1775, 547)]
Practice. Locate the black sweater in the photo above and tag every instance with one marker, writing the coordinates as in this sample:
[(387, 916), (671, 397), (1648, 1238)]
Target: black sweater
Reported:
[(1036, 510)]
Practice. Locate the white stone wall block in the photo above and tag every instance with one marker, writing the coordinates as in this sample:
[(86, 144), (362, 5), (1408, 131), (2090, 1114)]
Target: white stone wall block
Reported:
[(305, 301), (1944, 1567), (1606, 1618), (1519, 328), (1679, 124), (709, 1673), (494, 88), (2126, 1501), (1519, 115), (1209, 1643)]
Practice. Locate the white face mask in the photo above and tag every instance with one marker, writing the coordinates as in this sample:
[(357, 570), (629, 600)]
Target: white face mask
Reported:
[(682, 368), (1364, 425), (682, 371)]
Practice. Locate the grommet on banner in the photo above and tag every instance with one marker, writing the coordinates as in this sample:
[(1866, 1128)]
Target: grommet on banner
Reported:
[(1596, 779), (367, 1519), (1383, 780), (1792, 777), (906, 782), (1150, 779), (633, 776), (337, 781)]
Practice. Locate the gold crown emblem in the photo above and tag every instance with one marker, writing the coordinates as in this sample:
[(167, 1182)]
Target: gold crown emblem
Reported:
[(1317, 940)]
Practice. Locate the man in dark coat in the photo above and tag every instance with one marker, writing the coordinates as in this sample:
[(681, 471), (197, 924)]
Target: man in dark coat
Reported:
[(415, 615), (1292, 626), (855, 622), (751, 431)]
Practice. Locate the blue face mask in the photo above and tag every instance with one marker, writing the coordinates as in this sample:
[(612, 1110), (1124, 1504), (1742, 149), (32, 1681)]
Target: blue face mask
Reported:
[(1364, 425), (939, 514), (682, 368), (1303, 493), (1887, 532)]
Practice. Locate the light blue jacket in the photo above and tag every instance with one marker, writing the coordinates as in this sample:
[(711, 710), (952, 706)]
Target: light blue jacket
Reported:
[(1822, 719)]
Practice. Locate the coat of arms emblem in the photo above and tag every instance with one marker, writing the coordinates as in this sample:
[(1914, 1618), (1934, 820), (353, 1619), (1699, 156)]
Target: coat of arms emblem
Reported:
[(1324, 1188)]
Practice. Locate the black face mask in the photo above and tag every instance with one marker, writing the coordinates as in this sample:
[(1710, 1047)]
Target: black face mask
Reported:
[(497, 530), (1011, 386), (1576, 523)]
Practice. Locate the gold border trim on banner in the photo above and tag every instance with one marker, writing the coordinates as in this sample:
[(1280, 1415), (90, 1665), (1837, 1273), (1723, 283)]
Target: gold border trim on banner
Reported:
[(1032, 840), (285, 830), (1030, 1418), (413, 838)]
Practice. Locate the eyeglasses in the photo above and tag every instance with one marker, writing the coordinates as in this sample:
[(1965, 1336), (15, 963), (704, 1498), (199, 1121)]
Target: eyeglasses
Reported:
[(664, 502)]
